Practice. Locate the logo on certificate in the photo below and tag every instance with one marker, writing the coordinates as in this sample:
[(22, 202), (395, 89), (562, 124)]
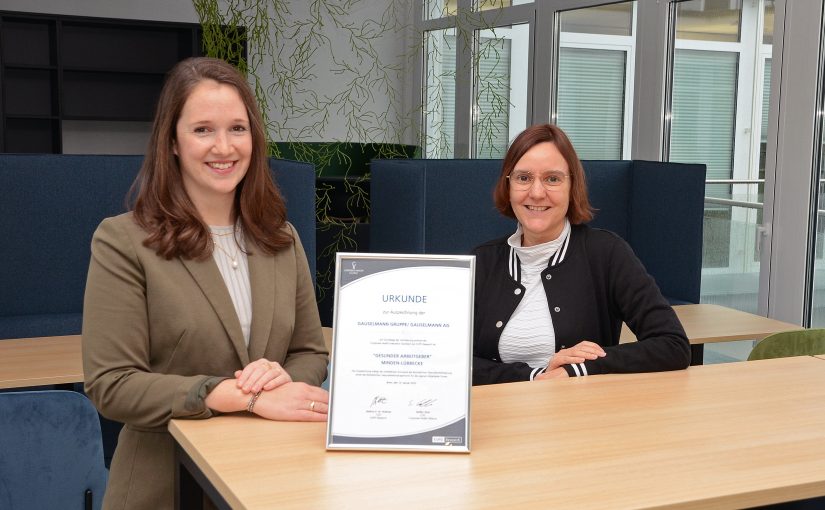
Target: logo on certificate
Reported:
[(448, 440), (354, 271)]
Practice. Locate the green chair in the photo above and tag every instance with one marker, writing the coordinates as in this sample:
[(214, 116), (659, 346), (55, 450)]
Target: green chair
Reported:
[(781, 345), (804, 342)]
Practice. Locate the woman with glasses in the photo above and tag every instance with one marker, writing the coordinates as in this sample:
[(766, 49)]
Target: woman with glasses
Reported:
[(551, 298)]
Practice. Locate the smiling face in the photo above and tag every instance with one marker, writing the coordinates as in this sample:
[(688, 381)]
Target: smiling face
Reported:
[(540, 211), (214, 148)]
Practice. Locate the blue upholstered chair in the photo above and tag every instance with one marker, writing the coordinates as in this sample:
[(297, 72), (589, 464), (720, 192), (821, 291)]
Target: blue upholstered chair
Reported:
[(51, 452), (446, 206)]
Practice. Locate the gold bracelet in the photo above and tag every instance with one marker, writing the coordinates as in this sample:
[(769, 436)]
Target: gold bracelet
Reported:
[(252, 401)]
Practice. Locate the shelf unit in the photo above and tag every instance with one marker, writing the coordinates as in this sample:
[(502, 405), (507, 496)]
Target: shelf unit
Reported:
[(67, 68)]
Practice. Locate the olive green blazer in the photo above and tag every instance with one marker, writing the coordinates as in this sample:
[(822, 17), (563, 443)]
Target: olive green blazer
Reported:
[(159, 334)]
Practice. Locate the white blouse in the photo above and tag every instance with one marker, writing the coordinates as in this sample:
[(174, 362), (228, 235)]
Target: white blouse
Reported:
[(529, 336), (230, 256)]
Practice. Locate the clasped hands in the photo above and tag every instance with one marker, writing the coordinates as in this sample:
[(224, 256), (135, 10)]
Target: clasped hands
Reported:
[(280, 397), (579, 353)]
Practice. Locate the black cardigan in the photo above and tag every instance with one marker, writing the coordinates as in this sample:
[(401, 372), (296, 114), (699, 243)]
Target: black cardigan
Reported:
[(598, 285)]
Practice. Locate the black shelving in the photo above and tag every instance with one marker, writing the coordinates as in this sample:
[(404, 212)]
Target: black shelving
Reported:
[(56, 68), (110, 96), (28, 41)]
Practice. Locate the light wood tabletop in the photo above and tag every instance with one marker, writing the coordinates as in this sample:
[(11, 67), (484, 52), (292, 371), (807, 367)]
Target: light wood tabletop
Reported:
[(38, 361), (820, 356), (717, 436), (705, 323)]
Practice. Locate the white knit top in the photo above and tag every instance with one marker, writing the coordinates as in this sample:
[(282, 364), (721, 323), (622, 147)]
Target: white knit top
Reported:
[(529, 337), (230, 256)]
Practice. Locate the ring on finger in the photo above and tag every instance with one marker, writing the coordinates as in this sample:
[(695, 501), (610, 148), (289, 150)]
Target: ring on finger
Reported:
[(312, 406)]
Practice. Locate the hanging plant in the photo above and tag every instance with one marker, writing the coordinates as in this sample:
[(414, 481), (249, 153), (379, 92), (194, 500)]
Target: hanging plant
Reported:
[(289, 50)]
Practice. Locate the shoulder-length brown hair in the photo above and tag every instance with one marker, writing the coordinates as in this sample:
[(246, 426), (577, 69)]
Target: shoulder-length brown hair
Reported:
[(579, 210), (162, 206)]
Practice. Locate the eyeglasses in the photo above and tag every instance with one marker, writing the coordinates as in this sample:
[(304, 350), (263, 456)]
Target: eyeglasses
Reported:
[(521, 181)]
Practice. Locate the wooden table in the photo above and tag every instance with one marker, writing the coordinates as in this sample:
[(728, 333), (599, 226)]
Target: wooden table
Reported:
[(820, 356), (706, 324), (716, 436), (39, 361)]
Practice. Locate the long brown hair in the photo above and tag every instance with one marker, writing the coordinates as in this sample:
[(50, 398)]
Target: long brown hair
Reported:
[(579, 210), (161, 204)]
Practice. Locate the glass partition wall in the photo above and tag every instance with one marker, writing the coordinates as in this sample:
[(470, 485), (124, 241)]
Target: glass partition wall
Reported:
[(719, 106), (594, 78), (501, 74), (678, 80), (439, 99), (720, 87), (477, 76), (816, 256)]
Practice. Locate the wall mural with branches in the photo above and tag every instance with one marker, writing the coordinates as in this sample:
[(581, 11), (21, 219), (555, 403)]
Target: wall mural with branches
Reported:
[(333, 79), (328, 76)]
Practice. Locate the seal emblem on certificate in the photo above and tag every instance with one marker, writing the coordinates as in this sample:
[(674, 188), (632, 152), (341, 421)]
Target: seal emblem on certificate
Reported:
[(401, 353)]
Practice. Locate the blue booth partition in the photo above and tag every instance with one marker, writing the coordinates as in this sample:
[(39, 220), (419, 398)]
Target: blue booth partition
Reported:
[(51, 206), (446, 206)]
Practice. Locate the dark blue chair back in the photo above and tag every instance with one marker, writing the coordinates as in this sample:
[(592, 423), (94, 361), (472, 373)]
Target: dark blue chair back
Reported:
[(434, 205), (297, 184)]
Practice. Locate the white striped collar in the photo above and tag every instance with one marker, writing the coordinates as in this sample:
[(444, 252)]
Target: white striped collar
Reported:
[(550, 253)]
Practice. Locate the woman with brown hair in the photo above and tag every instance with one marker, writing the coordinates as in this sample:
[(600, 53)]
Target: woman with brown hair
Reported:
[(199, 301), (551, 298)]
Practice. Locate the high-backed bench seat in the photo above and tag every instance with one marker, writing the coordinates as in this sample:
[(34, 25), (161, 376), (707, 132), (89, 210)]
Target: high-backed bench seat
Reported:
[(51, 206), (446, 206)]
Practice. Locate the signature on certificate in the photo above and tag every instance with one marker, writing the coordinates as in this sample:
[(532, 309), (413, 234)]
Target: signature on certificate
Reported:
[(378, 400), (426, 402)]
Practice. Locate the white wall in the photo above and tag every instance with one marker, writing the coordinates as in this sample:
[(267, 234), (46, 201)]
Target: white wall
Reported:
[(105, 137)]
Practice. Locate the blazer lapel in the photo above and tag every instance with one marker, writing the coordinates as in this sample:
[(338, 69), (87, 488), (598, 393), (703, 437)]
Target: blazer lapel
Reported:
[(209, 279), (262, 283)]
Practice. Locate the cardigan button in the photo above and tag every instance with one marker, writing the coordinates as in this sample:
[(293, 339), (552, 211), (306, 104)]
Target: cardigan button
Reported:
[(557, 309), (517, 292), (548, 276), (499, 324)]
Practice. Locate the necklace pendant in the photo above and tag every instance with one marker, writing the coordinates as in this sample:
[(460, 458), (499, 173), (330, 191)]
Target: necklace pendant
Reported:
[(234, 264)]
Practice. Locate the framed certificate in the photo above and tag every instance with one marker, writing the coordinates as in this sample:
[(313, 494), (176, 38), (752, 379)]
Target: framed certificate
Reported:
[(401, 352)]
